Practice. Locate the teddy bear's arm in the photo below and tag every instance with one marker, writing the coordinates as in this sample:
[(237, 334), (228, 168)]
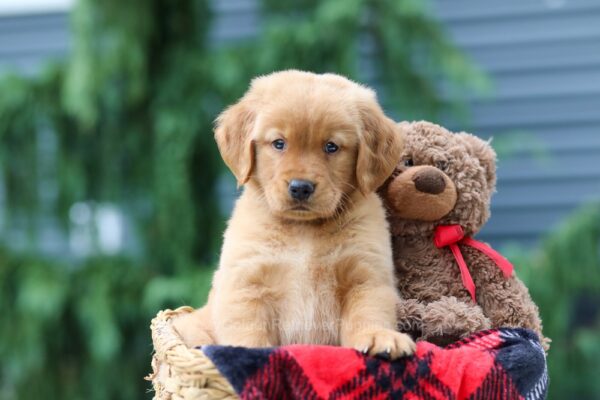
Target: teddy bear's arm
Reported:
[(453, 319), (440, 322), (507, 303), (409, 313)]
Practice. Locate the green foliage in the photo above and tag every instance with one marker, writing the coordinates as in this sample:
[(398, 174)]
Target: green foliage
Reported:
[(83, 333), (126, 119), (564, 280), (393, 45)]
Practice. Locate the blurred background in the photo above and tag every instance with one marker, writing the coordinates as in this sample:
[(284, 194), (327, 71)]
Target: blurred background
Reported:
[(113, 196)]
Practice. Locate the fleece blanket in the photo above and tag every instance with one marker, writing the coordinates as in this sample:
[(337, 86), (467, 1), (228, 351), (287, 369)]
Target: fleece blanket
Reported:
[(493, 364)]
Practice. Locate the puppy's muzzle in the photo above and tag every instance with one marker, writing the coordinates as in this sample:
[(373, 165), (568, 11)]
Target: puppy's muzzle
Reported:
[(300, 189)]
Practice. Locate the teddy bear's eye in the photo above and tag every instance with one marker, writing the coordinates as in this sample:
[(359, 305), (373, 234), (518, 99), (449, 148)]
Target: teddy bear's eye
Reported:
[(409, 162), (441, 165)]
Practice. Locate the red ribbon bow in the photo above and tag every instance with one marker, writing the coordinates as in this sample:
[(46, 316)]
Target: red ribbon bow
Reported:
[(452, 236)]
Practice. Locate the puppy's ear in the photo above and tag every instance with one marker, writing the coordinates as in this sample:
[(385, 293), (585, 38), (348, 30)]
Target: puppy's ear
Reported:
[(484, 152), (380, 147), (233, 130)]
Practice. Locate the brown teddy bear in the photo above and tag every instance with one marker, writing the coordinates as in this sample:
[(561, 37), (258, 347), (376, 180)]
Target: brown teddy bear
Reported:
[(437, 199)]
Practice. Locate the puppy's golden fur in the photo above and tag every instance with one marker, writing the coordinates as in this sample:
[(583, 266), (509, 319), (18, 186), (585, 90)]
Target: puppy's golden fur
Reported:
[(318, 271)]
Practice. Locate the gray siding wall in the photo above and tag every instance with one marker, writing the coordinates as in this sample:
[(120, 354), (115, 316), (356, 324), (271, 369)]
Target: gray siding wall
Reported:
[(544, 112), (27, 41)]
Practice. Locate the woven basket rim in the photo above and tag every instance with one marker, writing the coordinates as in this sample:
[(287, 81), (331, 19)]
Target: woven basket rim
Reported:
[(191, 374)]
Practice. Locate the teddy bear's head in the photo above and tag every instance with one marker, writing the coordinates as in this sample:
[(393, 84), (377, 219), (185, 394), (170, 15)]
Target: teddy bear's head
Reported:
[(443, 178)]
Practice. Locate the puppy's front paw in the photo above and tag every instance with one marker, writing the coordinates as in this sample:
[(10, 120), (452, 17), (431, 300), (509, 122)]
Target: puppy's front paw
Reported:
[(251, 341), (385, 343), (252, 338), (193, 328)]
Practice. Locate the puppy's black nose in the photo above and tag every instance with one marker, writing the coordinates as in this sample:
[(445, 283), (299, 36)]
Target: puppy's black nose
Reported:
[(300, 189)]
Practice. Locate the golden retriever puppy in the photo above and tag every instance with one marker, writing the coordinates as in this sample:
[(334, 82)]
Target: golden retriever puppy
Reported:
[(306, 256)]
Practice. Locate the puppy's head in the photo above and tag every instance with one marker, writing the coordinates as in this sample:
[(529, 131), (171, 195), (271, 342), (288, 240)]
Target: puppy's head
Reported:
[(308, 142)]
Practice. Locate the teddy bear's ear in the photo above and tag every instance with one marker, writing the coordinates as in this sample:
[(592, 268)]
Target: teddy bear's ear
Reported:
[(486, 155)]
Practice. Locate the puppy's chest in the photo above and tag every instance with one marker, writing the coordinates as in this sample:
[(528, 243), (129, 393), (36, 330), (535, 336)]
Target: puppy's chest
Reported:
[(310, 310)]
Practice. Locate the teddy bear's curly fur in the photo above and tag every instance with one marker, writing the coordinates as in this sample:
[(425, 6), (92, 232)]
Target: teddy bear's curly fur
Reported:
[(447, 178)]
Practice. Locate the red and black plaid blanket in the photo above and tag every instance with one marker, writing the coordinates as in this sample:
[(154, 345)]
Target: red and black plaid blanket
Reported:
[(493, 364)]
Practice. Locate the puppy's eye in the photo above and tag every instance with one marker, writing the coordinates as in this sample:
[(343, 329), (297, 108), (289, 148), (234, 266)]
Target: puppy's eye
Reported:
[(442, 165), (409, 162), (331, 147), (278, 144)]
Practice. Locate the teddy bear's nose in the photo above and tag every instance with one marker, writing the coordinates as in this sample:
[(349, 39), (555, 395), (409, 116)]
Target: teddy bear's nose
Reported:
[(429, 181)]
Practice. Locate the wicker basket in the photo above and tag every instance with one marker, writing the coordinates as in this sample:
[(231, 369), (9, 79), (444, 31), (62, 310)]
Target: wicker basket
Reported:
[(180, 372)]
